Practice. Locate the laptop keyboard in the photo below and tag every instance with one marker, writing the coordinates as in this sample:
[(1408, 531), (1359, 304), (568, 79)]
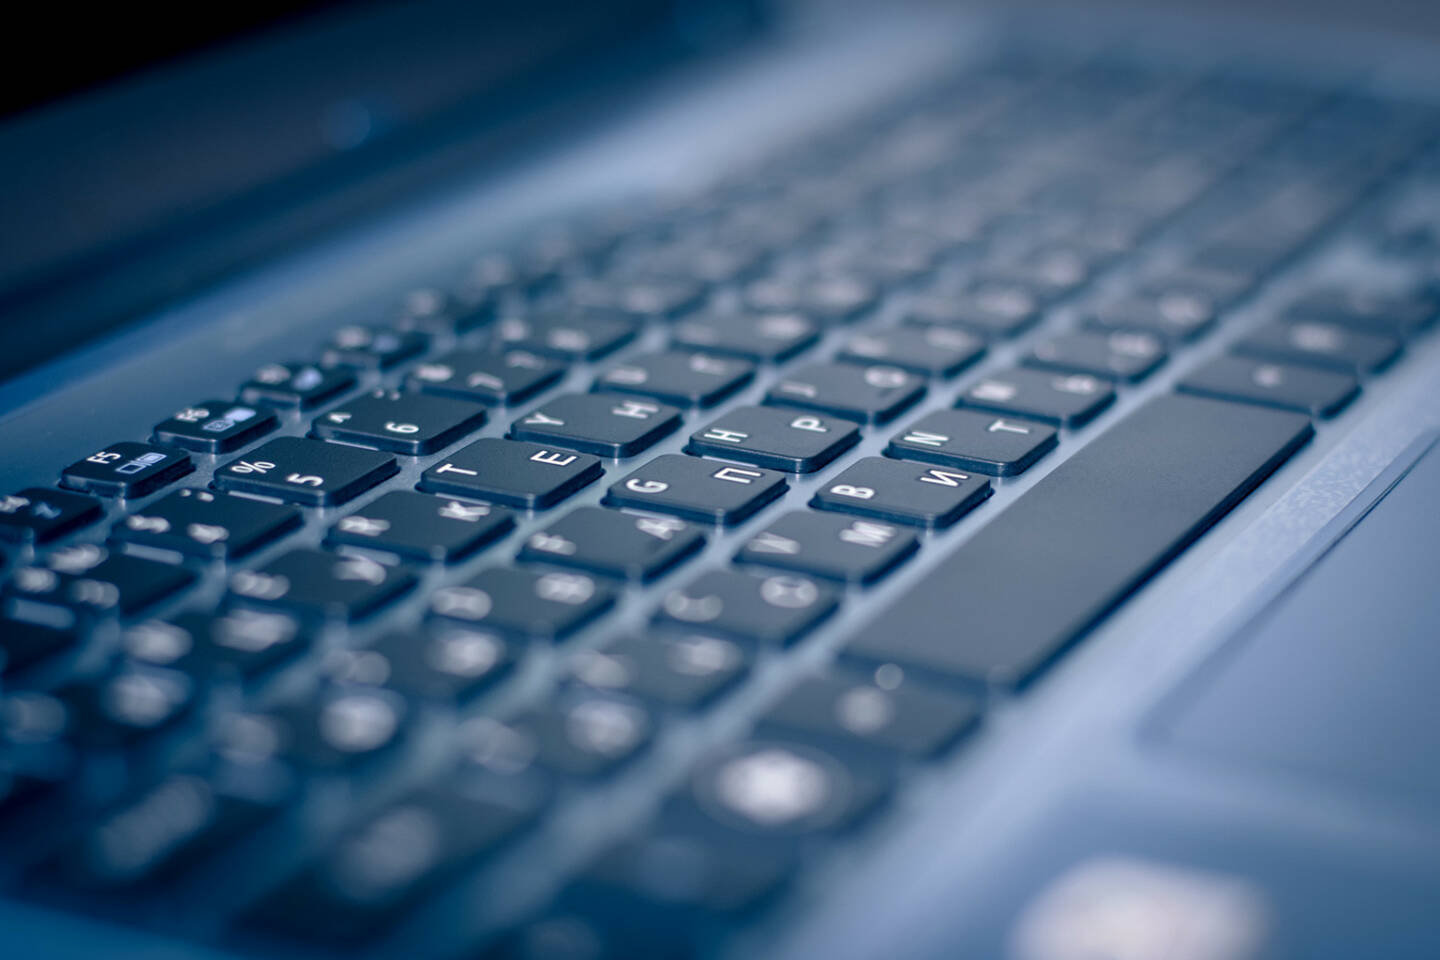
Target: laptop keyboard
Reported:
[(495, 630)]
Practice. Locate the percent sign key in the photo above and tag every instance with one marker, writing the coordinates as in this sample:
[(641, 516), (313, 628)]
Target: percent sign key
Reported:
[(304, 471)]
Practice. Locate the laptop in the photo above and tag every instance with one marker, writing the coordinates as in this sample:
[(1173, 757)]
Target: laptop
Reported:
[(778, 479)]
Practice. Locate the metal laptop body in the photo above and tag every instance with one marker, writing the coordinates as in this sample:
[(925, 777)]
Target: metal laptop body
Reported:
[(1233, 760)]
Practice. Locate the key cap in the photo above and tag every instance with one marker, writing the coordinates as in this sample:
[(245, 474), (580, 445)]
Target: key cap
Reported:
[(1068, 400), (512, 376), (246, 643), (873, 394), (1130, 357), (832, 299), (1174, 317), (379, 869), (1317, 344), (409, 423), (768, 338), (442, 662), (168, 827), (830, 546), (988, 311), (1390, 316), (776, 609), (337, 728), (614, 544), (639, 297), (844, 714), (525, 603), (300, 385), (372, 348), (1319, 393), (199, 523), (575, 337), (683, 671), (970, 440), (903, 492), (697, 489), (433, 311), (694, 873), (319, 584), (1123, 505), (775, 438), (933, 351), (422, 527), (91, 580), (678, 377), (40, 515), (24, 644), (215, 426), (124, 706), (521, 474), (1215, 287), (127, 469), (309, 472), (776, 790), (587, 733), (597, 423)]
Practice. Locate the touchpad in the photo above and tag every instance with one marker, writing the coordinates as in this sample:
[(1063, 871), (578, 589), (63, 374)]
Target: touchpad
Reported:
[(1339, 677)]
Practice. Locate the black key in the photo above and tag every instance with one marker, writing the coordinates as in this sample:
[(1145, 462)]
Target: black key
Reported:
[(1319, 344), (639, 297), (197, 642), (1213, 286), (168, 827), (989, 311), (372, 348), (932, 351), (525, 603), (1175, 317), (316, 583), (91, 580), (338, 728), (510, 471), (903, 492), (311, 472), (843, 714), (681, 671), (970, 440), (379, 869), (678, 377), (829, 546), (776, 790), (615, 544), (433, 311), (216, 426), (597, 423), (199, 523), (873, 394), (1130, 357), (126, 705), (568, 337), (40, 515), (587, 733), (831, 299), (302, 385), (24, 644), (487, 376), (697, 489), (776, 438), (765, 339), (410, 423), (1391, 316), (445, 662), (701, 874), (423, 527), (1069, 400), (1319, 393), (1126, 503), (127, 469), (768, 609)]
